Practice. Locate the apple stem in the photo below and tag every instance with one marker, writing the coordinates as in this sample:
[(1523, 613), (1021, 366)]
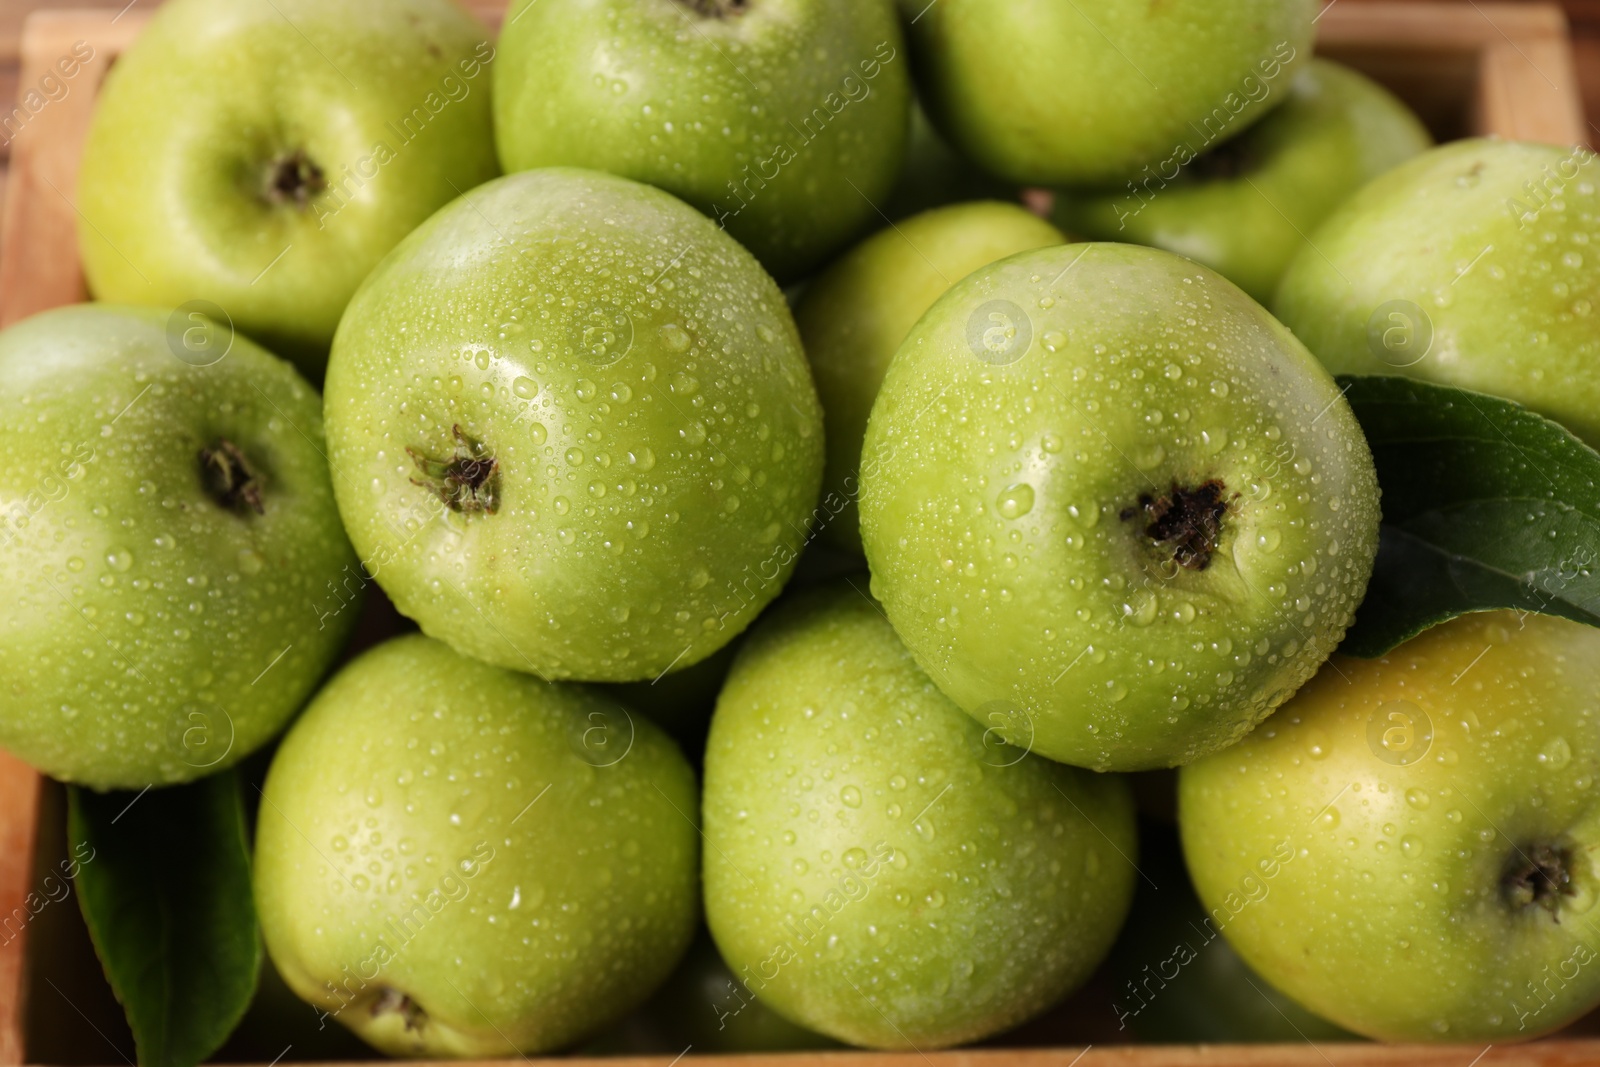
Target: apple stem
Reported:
[(717, 9), (294, 179), (1539, 875), (467, 482), (229, 479), (1186, 522)]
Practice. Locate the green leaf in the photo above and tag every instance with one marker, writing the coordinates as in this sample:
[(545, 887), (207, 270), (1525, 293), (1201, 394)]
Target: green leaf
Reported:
[(1486, 505), (166, 896)]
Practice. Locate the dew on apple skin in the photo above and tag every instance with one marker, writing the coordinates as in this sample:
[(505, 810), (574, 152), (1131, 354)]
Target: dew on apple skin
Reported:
[(1016, 500)]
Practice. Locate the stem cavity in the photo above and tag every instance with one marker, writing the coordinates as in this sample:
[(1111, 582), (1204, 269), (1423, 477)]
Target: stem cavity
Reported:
[(229, 479), (1539, 876), (293, 179), (1186, 523), (468, 481)]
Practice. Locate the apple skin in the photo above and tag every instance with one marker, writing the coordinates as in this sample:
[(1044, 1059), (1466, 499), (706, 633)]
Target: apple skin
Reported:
[(1055, 94), (785, 120), (174, 198), (854, 315), (639, 382), (1176, 979), (140, 608), (1387, 913), (1012, 473), (1245, 209), (702, 1006), (1513, 320), (963, 885), (415, 783)]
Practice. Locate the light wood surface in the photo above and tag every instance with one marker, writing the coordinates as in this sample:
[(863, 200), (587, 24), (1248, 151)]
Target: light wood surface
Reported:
[(1468, 67)]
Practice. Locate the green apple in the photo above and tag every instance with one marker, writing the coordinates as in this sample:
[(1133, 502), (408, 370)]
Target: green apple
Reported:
[(167, 536), (1473, 265), (1177, 981), (1405, 848), (853, 317), (1244, 209), (934, 175), (1075, 93), (312, 136), (879, 867), (454, 859), (785, 120), (703, 1007), (575, 428), (1101, 483)]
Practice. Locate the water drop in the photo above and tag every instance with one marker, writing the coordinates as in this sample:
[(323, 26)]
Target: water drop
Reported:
[(1016, 500)]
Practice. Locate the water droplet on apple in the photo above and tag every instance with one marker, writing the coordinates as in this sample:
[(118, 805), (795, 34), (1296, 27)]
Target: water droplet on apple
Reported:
[(675, 337), (1015, 500), (850, 796), (1556, 754), (1144, 612), (119, 559), (1148, 456)]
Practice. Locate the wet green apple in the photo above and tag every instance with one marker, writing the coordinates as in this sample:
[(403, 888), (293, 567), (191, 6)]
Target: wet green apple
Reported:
[(1472, 265), (785, 120), (574, 429), (880, 868), (853, 317), (1430, 820), (702, 1006), (1102, 484), (314, 135), (1244, 209), (1175, 978), (454, 859), (167, 537), (1077, 93)]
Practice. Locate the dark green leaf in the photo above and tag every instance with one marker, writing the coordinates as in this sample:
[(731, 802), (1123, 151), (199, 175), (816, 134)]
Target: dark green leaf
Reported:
[(167, 900), (1486, 505)]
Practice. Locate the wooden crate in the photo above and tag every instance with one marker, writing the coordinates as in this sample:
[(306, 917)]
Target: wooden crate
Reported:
[(1467, 68)]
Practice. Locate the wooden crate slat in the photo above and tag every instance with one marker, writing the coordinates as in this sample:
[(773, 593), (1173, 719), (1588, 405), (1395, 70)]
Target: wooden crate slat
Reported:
[(39, 266), (19, 818), (1437, 26)]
